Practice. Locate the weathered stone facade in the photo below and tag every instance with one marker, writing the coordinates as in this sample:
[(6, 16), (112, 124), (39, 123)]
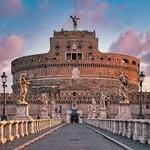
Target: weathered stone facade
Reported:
[(74, 71)]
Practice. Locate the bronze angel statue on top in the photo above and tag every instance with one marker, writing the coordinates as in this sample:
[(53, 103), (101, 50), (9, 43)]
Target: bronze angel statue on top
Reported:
[(75, 21)]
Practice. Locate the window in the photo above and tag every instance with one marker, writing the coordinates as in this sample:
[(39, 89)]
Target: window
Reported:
[(133, 63), (68, 46), (57, 54), (79, 56), (125, 61), (74, 56), (79, 46), (90, 47), (68, 56), (57, 47), (74, 93), (147, 106), (90, 53)]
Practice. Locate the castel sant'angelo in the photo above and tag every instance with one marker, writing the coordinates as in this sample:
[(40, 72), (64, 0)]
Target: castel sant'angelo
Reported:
[(74, 71)]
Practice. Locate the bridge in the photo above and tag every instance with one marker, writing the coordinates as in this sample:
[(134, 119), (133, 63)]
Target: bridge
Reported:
[(92, 134)]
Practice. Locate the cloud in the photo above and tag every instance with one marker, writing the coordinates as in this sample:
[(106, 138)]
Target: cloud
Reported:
[(10, 48), (136, 44), (10, 7), (91, 13)]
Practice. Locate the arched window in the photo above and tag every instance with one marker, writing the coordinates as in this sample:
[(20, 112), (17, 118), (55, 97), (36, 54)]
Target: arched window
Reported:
[(133, 62)]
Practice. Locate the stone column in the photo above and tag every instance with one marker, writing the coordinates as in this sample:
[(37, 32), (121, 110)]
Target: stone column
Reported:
[(129, 132), (137, 128), (22, 128), (26, 128), (115, 127), (10, 136), (16, 133), (120, 128), (2, 137), (124, 133), (31, 127), (144, 137)]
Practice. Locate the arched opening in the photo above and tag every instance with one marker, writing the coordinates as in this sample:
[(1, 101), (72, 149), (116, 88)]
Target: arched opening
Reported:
[(74, 116)]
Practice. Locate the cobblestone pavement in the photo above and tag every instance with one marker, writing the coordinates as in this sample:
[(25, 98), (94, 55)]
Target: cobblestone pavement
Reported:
[(74, 137)]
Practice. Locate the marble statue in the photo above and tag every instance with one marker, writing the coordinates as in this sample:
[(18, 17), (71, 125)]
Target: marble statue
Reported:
[(93, 108), (24, 84), (123, 91), (53, 104), (93, 101), (89, 112), (103, 101), (44, 99)]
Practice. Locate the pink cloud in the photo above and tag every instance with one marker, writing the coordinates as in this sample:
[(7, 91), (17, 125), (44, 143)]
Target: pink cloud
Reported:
[(129, 42), (10, 48), (90, 11), (136, 44), (10, 7)]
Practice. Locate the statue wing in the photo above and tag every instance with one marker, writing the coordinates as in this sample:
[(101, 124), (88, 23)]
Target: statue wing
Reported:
[(71, 17)]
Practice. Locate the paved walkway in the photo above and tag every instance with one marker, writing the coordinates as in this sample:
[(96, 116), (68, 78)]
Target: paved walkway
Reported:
[(74, 137)]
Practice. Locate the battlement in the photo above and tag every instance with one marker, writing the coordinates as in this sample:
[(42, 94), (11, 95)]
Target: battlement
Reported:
[(74, 34)]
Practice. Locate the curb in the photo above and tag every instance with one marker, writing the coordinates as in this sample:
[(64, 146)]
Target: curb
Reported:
[(38, 138), (109, 138)]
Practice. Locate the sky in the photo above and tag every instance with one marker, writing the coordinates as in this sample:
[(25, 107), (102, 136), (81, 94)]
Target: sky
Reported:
[(122, 26)]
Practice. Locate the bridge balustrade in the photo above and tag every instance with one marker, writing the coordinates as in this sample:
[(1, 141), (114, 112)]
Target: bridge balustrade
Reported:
[(137, 129), (14, 129)]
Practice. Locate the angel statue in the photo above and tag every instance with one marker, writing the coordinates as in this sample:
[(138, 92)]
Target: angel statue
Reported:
[(24, 84), (75, 21), (103, 101), (123, 91), (44, 99)]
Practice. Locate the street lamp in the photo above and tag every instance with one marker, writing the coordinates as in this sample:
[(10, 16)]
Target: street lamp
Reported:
[(38, 116), (4, 80), (141, 79)]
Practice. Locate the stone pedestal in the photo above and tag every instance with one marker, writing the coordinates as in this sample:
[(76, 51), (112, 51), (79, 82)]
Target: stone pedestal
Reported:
[(22, 112), (68, 113), (54, 115), (80, 116), (124, 111), (44, 114), (103, 113)]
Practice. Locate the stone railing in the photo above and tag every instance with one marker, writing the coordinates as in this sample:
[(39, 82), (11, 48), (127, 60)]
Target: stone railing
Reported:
[(10, 130), (137, 129)]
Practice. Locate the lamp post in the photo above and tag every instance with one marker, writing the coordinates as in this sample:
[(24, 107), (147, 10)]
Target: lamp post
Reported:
[(4, 80), (141, 79), (38, 116)]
